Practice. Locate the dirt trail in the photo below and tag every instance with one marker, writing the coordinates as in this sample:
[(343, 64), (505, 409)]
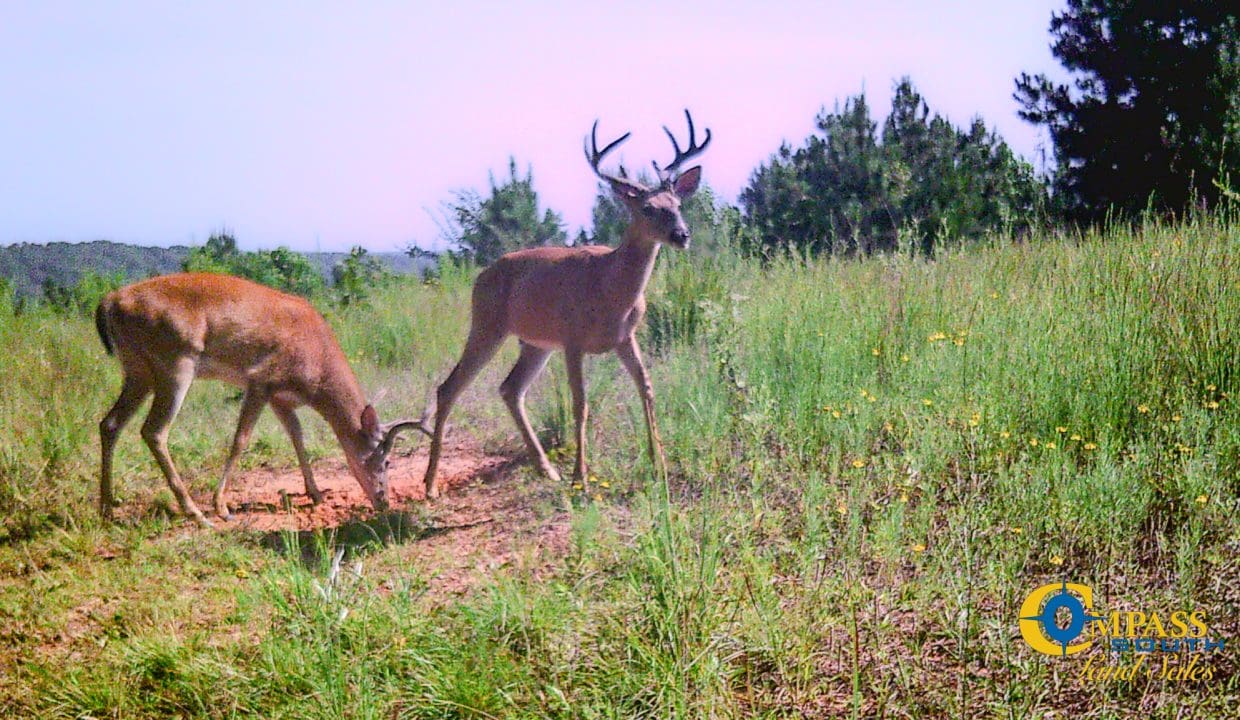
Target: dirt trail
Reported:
[(487, 516)]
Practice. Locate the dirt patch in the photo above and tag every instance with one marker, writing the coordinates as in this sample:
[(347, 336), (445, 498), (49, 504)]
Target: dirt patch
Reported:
[(275, 499), (489, 515)]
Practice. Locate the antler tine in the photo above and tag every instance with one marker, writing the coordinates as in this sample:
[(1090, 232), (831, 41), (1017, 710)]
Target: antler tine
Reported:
[(694, 149), (594, 156)]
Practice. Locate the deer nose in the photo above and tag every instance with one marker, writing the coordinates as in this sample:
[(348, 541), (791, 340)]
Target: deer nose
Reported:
[(680, 237)]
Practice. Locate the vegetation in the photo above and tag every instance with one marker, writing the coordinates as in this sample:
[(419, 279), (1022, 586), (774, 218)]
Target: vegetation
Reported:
[(281, 268), (31, 271), (859, 501), (921, 404), (1153, 117), (925, 183), (482, 229)]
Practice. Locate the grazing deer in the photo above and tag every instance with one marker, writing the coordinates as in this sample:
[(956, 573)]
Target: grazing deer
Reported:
[(579, 299), (168, 330)]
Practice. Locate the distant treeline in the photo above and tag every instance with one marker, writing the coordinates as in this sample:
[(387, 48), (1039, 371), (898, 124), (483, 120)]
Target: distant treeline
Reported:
[(31, 269)]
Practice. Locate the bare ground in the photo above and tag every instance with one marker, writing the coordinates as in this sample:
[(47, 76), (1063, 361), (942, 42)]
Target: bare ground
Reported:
[(486, 517)]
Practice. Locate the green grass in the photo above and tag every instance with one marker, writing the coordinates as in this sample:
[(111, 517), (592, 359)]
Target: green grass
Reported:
[(874, 462)]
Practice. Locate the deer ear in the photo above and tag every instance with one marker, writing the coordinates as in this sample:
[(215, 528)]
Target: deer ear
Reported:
[(370, 421), (687, 183)]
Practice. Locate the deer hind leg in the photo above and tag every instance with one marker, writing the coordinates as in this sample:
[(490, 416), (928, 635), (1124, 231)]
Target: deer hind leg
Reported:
[(581, 410), (513, 389), (169, 394), (288, 418), (479, 349), (631, 357), (251, 408), (133, 391)]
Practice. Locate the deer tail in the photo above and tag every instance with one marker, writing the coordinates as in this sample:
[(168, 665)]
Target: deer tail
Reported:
[(101, 324)]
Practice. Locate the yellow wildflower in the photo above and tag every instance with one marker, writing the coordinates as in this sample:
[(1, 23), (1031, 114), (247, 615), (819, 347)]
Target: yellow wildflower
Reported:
[(904, 358), (1090, 446), (858, 463), (1017, 530), (1005, 434), (1143, 409), (1202, 499), (1057, 560), (927, 402), (875, 352), (1075, 437), (1033, 442), (918, 548), (1212, 405), (903, 497), (841, 509), (1061, 429), (1176, 418), (604, 484), (835, 414), (1211, 388), (1050, 445)]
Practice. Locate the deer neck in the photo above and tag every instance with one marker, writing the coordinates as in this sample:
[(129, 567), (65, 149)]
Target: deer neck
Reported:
[(340, 401), (634, 263)]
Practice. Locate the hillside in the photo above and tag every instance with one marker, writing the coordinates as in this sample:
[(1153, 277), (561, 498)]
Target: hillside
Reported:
[(28, 265)]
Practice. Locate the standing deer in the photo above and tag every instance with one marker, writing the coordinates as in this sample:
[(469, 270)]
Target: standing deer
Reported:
[(168, 330), (579, 299)]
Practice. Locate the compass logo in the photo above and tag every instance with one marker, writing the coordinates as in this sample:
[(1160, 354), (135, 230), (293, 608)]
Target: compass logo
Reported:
[(1055, 616)]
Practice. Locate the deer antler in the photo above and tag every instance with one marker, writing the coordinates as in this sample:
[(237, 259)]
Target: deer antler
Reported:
[(391, 431), (594, 156), (666, 173)]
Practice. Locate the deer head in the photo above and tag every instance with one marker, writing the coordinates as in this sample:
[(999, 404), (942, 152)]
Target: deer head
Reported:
[(655, 210), (370, 464)]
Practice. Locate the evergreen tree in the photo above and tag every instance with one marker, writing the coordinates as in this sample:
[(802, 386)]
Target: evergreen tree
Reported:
[(847, 191), (1154, 111), (508, 219)]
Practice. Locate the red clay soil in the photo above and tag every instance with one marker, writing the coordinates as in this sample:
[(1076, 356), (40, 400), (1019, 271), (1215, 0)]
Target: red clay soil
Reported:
[(486, 518), (275, 499)]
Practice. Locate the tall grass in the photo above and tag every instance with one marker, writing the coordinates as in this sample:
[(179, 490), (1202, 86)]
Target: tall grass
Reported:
[(873, 463)]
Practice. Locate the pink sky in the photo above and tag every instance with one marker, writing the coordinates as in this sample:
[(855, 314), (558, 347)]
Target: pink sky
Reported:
[(327, 125)]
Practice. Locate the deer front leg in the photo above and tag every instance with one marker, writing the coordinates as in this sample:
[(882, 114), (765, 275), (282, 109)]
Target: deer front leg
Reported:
[(513, 389), (576, 383), (251, 408), (631, 357), (288, 418)]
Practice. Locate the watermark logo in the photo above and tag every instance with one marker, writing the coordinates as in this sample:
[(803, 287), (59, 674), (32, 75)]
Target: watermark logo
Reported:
[(1040, 615), (1059, 619)]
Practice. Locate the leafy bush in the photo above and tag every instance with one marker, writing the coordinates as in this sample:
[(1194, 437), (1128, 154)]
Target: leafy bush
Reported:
[(81, 298), (281, 268), (355, 276)]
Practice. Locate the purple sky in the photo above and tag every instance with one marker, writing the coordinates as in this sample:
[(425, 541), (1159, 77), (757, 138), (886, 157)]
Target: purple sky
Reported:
[(325, 125)]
